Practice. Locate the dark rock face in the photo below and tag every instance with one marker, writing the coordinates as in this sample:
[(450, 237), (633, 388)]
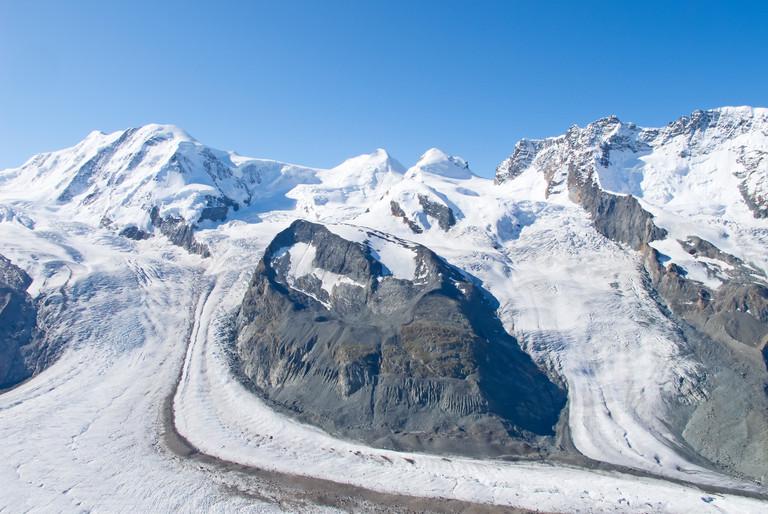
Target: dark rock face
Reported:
[(17, 323), (442, 213), (179, 232), (619, 218), (398, 212), (571, 162), (419, 364), (134, 232), (736, 312), (217, 208)]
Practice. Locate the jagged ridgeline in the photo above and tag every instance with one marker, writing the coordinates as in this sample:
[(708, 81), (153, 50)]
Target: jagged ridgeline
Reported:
[(379, 339)]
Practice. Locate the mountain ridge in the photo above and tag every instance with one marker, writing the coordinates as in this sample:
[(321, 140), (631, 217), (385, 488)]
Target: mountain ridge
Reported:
[(620, 257)]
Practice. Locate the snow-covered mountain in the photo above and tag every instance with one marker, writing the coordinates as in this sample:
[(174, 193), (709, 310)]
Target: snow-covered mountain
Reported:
[(701, 174), (630, 264), (691, 195), (118, 178)]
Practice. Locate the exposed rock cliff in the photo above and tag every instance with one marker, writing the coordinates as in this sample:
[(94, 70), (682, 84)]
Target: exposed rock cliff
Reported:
[(17, 323)]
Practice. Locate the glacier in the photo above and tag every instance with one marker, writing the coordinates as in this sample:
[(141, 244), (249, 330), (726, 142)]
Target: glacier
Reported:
[(145, 363)]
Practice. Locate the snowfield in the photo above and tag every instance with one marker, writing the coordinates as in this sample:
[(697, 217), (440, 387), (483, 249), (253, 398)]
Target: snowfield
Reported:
[(85, 434), (148, 329)]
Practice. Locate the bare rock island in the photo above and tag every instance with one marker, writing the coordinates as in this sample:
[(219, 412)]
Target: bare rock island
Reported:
[(380, 340)]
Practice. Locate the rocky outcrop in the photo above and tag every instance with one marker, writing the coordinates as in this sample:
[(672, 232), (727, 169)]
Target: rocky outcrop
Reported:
[(735, 312), (26, 346), (726, 329), (343, 340), (217, 208), (620, 218), (442, 213), (424, 213), (179, 231), (398, 212), (17, 323), (135, 233)]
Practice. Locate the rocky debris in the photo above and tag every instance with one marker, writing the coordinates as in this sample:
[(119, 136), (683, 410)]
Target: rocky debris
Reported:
[(695, 245), (418, 363), (179, 232), (17, 323)]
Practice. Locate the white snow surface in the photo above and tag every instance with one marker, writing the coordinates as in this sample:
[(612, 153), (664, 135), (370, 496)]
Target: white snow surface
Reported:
[(86, 433), (435, 161)]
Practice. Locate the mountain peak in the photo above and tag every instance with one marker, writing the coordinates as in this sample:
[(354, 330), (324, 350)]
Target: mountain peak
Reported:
[(160, 132), (437, 162), (378, 161)]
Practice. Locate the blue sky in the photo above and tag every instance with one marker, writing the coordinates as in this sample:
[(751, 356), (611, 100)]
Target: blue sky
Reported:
[(317, 82)]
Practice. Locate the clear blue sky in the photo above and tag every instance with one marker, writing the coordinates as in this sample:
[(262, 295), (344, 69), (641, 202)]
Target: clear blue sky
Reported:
[(316, 82)]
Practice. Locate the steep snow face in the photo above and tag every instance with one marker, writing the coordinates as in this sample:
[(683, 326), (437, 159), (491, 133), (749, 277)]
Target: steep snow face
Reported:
[(705, 174), (437, 162), (118, 178), (344, 192)]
